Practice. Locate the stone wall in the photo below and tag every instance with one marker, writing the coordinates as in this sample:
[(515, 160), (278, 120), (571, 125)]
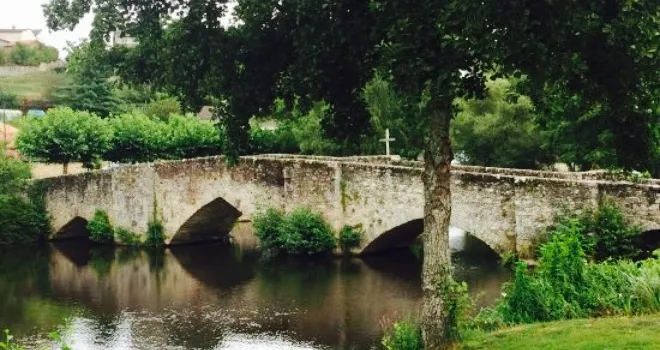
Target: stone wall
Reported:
[(9, 71), (200, 199)]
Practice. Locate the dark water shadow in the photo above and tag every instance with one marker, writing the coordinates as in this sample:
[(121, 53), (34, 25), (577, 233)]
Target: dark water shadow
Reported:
[(217, 264)]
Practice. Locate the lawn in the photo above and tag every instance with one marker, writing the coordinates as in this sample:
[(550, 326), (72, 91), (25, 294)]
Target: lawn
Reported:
[(641, 332), (32, 86)]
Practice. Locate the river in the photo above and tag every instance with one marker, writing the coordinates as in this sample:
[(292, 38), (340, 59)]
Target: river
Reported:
[(215, 296)]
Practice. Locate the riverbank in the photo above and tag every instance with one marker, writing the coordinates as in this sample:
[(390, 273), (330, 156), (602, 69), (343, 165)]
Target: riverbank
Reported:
[(639, 332)]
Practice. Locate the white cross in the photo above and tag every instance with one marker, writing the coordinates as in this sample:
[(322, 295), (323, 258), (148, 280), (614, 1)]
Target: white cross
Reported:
[(387, 140)]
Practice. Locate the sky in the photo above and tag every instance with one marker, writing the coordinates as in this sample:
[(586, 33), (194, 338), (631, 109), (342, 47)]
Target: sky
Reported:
[(27, 14)]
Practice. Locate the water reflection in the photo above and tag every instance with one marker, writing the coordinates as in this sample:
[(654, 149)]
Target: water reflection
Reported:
[(213, 296)]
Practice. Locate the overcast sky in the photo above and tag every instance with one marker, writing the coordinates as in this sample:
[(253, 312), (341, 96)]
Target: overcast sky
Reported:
[(27, 14)]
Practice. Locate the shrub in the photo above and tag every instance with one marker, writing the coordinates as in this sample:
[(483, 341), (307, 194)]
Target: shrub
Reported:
[(7, 344), (566, 286), (604, 234), (155, 234), (350, 237), (24, 55), (22, 220), (402, 335), (299, 233), (127, 237), (14, 175), (267, 229), (100, 229), (306, 233), (9, 100), (189, 137), (280, 140), (135, 138), (614, 237), (308, 131), (65, 136), (163, 108)]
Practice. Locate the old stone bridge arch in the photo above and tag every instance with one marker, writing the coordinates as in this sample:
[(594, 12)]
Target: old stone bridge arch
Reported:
[(200, 199)]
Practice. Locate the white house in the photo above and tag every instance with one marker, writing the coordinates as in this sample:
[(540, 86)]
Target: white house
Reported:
[(13, 36), (118, 39)]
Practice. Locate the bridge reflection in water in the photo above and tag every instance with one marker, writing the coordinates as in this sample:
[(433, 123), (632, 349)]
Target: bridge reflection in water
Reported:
[(218, 296)]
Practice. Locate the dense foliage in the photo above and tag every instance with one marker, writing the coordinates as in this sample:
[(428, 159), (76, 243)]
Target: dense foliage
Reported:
[(162, 108), (605, 233), (298, 233), (402, 335), (8, 100), (31, 55), (135, 138), (64, 136), (350, 237), (22, 216), (87, 86), (100, 229), (584, 270), (500, 130), (155, 234)]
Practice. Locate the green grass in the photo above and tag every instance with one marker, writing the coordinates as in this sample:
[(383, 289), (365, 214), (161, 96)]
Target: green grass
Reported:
[(33, 86), (640, 332)]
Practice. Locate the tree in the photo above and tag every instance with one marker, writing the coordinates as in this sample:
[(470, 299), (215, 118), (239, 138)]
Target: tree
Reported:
[(591, 68), (500, 130), (435, 51), (87, 87), (65, 136), (389, 110)]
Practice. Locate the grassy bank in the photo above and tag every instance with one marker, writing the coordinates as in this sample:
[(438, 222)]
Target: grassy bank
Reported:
[(33, 86), (640, 332)]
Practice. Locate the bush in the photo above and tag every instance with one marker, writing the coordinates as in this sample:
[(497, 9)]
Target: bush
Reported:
[(100, 229), (162, 109), (9, 100), (267, 229), (308, 131), (155, 234), (21, 220), (14, 175), (350, 237), (136, 138), (299, 233), (402, 335), (566, 286), (127, 237), (604, 233), (24, 55), (280, 140), (189, 137), (65, 136)]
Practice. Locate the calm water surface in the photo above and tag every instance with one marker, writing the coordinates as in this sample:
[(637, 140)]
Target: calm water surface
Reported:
[(217, 297)]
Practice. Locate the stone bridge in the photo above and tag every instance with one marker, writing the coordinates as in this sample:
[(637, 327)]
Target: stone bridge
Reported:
[(201, 199)]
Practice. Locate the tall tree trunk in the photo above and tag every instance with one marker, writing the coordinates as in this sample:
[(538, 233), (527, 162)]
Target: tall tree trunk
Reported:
[(65, 168), (436, 270)]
